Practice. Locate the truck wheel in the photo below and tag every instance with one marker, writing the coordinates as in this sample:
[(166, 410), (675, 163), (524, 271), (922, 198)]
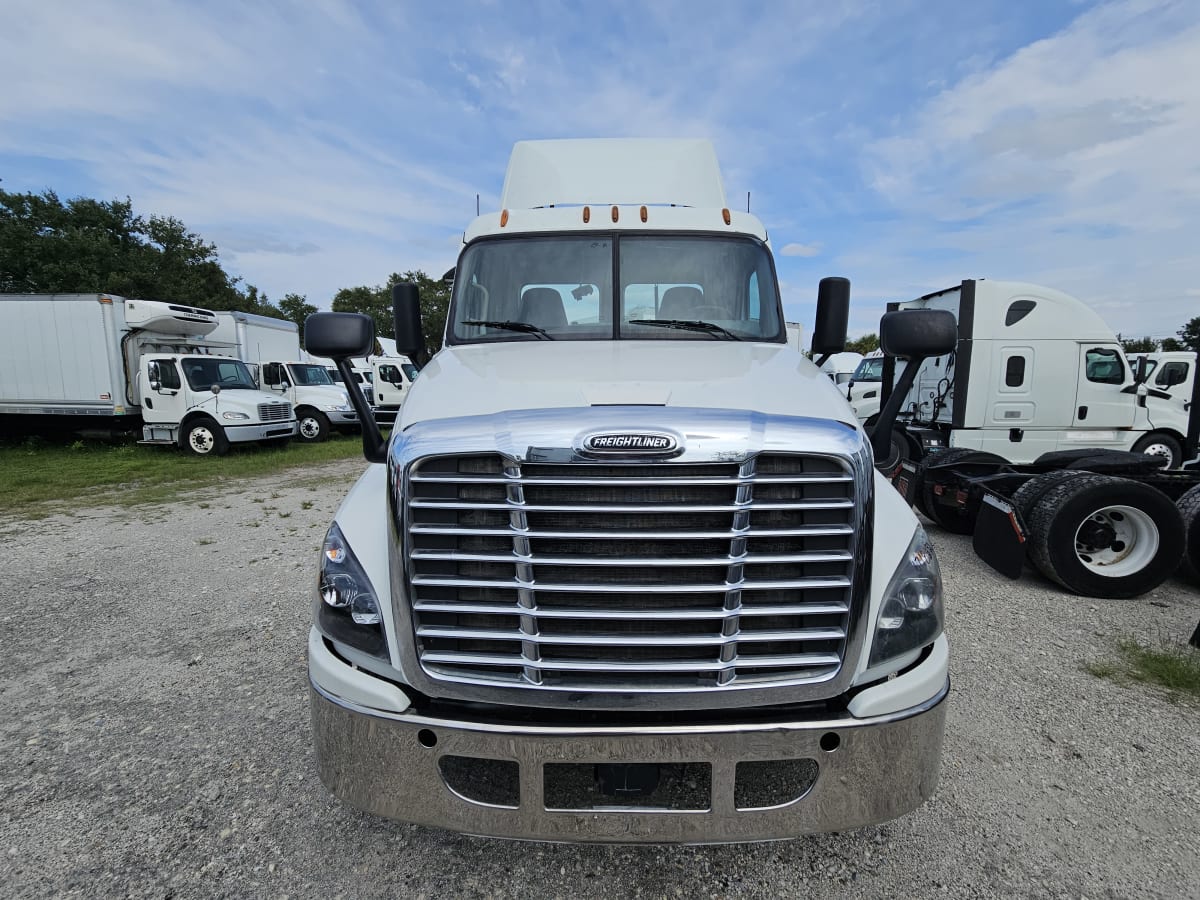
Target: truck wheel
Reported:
[(953, 519), (204, 437), (1026, 497), (1161, 445), (312, 426), (1106, 537), (1189, 508)]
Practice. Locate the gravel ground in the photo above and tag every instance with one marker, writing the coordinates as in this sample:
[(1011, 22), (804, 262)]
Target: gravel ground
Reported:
[(155, 737)]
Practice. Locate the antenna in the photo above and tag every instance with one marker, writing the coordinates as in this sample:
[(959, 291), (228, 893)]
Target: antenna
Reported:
[(747, 201), (476, 204)]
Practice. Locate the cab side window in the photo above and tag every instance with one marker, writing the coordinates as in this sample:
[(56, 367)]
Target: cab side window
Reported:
[(1171, 374), (168, 374), (1104, 366)]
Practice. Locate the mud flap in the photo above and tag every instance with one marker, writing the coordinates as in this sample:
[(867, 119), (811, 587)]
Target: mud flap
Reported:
[(999, 538), (904, 480)]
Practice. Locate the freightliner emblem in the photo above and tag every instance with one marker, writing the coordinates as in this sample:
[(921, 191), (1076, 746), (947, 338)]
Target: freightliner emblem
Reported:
[(631, 442)]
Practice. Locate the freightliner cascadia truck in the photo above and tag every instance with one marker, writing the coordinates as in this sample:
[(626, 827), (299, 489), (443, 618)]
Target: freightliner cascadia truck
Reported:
[(624, 569)]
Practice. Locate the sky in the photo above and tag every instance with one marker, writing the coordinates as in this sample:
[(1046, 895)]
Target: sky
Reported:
[(905, 145)]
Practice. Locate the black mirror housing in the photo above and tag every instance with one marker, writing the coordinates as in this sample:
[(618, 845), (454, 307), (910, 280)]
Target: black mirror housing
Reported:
[(833, 316), (912, 333), (406, 312), (339, 335)]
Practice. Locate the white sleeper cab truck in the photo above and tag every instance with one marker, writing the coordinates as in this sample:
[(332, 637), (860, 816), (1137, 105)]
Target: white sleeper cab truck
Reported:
[(271, 347), (98, 362), (624, 569), (1035, 371)]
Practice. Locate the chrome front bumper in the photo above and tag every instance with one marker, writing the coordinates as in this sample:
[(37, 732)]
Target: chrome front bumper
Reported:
[(389, 764)]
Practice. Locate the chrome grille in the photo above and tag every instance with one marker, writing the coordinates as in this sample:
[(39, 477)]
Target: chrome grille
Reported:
[(601, 577), (274, 412)]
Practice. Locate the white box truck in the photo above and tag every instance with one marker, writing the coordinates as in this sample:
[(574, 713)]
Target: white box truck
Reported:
[(272, 349), (99, 362), (624, 570)]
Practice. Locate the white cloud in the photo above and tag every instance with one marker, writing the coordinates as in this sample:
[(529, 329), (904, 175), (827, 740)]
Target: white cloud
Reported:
[(1072, 162), (805, 250)]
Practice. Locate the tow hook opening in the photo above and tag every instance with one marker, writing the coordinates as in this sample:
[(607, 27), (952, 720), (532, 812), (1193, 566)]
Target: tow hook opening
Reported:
[(627, 779)]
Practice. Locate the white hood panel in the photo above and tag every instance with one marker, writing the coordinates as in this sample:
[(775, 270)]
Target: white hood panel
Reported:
[(481, 379)]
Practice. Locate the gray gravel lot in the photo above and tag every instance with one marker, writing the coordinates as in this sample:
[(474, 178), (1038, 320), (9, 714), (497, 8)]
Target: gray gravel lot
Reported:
[(155, 737)]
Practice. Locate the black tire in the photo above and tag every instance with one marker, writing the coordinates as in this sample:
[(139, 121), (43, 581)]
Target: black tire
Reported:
[(900, 450), (1025, 498), (312, 426), (1189, 507), (1136, 535), (1161, 444), (204, 437), (953, 519)]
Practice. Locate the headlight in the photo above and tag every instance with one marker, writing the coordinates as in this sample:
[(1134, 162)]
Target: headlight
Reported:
[(911, 615), (235, 416), (341, 407), (347, 606)]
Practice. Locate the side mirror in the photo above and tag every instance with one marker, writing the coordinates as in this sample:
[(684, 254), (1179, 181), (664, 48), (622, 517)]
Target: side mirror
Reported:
[(1140, 370), (406, 313), (918, 333), (448, 278), (339, 335), (156, 385), (833, 317), (283, 386), (216, 389)]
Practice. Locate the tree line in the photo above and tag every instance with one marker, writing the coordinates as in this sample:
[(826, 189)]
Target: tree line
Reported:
[(48, 245)]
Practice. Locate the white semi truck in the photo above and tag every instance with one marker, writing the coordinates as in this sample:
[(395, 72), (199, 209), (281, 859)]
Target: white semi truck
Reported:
[(624, 570), (99, 362), (272, 349), (1035, 370)]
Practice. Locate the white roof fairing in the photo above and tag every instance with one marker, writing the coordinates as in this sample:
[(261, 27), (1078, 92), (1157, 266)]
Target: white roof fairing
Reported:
[(616, 171)]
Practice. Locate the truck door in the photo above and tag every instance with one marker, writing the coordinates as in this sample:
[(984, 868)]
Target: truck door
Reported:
[(274, 379), (1101, 398), (389, 385), (163, 399)]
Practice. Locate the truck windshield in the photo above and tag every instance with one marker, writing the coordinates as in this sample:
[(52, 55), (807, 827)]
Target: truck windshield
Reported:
[(308, 375), (869, 370), (616, 286), (231, 374)]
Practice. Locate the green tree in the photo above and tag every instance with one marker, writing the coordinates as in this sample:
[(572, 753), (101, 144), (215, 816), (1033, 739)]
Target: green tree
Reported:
[(376, 302), (296, 308), (84, 245), (1171, 345), (864, 344), (1138, 345), (1189, 335)]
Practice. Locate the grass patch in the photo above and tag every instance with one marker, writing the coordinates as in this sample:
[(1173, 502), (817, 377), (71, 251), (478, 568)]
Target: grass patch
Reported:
[(1171, 665), (36, 475)]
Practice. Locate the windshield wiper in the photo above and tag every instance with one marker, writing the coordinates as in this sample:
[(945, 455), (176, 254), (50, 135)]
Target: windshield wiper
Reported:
[(524, 327), (712, 328)]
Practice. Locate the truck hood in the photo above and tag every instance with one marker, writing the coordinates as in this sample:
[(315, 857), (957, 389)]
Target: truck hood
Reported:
[(481, 379)]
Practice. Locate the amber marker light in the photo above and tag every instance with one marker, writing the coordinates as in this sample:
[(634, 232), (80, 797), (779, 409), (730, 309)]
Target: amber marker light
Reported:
[(503, 217), (725, 215), (587, 215), (645, 215)]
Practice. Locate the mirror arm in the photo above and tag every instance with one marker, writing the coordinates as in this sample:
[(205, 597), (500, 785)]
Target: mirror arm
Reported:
[(374, 446), (822, 359), (881, 434)]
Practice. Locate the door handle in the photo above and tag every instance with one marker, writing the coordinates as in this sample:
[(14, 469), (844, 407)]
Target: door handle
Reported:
[(1082, 413)]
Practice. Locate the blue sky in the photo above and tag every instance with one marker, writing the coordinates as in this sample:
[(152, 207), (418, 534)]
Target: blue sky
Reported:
[(905, 145)]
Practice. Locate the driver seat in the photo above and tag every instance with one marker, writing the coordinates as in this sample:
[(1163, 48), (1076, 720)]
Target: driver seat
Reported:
[(680, 302)]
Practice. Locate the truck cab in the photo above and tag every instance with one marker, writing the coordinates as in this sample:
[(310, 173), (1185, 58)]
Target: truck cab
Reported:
[(1035, 370), (624, 570), (320, 404), (392, 379), (203, 403)]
